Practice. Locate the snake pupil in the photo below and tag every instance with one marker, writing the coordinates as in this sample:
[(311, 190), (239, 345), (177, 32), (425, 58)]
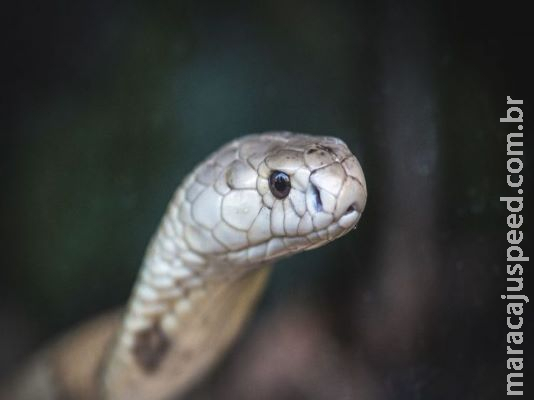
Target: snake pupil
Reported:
[(279, 184)]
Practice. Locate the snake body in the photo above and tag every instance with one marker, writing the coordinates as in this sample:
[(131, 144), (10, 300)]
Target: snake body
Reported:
[(257, 199)]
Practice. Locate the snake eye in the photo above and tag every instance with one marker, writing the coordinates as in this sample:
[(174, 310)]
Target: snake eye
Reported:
[(279, 184)]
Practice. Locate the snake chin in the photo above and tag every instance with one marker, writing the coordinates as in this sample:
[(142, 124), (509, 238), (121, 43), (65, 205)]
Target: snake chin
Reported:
[(283, 246)]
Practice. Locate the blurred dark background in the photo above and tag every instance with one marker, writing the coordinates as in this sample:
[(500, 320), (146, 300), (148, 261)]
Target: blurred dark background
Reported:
[(107, 105)]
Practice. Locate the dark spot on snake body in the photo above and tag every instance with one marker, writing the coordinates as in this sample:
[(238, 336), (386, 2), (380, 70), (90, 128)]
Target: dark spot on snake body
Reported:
[(187, 354), (150, 348)]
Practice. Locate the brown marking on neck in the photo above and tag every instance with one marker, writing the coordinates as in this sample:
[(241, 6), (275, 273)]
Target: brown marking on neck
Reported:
[(150, 348)]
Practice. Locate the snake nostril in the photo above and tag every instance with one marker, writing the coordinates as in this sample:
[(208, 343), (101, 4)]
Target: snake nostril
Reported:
[(318, 201)]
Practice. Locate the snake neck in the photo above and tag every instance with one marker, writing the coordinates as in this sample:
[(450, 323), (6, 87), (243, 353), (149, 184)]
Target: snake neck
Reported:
[(182, 316), (253, 201), (184, 312)]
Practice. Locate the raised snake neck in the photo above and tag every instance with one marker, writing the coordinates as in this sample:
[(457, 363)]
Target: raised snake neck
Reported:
[(206, 266)]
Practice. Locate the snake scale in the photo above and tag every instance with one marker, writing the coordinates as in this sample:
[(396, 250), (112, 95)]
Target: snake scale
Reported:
[(257, 199)]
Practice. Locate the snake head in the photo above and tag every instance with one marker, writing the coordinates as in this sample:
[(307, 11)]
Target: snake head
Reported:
[(257, 199), (267, 196)]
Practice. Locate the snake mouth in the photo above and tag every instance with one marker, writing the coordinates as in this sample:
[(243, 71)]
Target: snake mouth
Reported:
[(351, 209)]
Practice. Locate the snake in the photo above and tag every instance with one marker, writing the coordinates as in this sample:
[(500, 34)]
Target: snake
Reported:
[(257, 199)]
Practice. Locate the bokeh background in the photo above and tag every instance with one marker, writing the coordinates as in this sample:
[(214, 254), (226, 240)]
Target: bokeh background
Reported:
[(107, 105)]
